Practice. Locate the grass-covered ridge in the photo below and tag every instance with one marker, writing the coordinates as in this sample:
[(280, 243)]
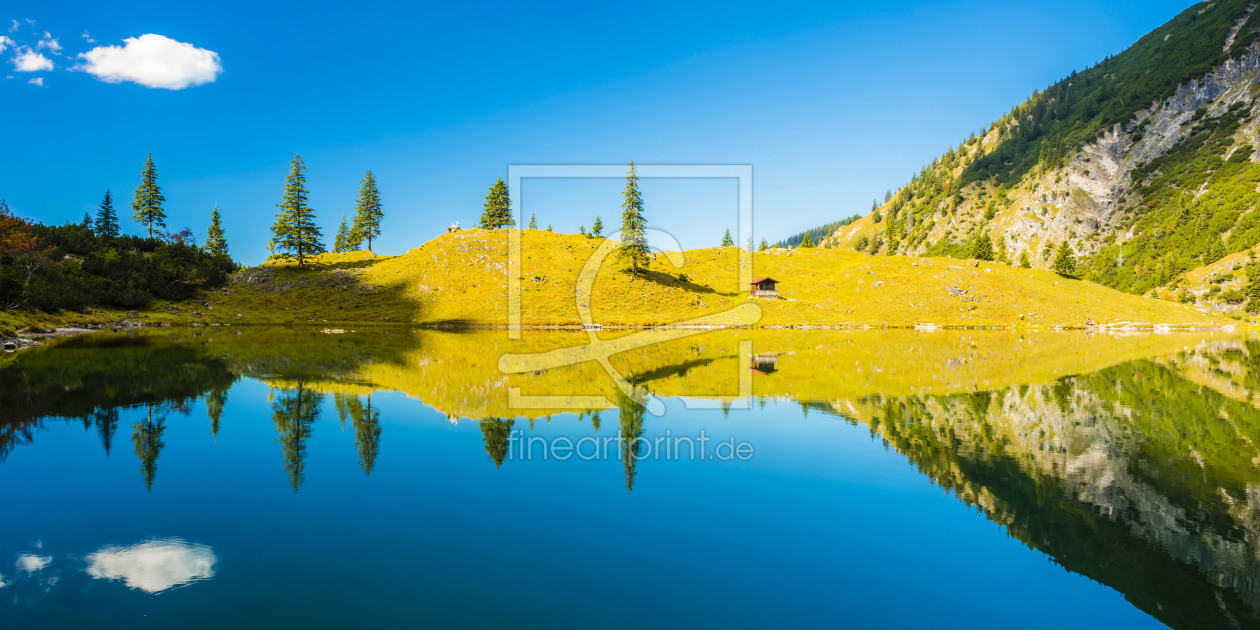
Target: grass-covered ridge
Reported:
[(462, 279)]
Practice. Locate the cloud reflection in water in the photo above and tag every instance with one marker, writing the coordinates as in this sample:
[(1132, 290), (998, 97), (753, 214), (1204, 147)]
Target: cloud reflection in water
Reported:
[(153, 566)]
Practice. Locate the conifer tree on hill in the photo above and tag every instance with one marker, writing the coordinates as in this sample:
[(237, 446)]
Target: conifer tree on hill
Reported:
[(497, 212), (634, 247), (533, 222), (1064, 261), (726, 239), (295, 230), (147, 207), (368, 214), (341, 242), (982, 248), (597, 228), (807, 241), (216, 243), (106, 225)]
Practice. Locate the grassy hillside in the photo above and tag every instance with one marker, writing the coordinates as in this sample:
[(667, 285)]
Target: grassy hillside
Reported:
[(461, 279)]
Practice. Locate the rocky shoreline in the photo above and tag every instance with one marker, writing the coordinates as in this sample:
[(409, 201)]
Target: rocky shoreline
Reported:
[(31, 339)]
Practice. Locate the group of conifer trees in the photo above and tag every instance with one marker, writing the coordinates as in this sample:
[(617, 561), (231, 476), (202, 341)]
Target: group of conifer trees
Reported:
[(295, 232), (633, 251), (147, 210)]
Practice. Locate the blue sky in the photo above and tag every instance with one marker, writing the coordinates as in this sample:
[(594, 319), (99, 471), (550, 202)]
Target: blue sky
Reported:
[(832, 103)]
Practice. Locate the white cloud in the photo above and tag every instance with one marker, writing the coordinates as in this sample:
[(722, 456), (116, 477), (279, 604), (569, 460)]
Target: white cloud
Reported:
[(87, 37), (153, 566), (30, 563), (31, 61), (2, 582), (14, 27), (49, 42), (37, 81), (5, 42), (153, 61)]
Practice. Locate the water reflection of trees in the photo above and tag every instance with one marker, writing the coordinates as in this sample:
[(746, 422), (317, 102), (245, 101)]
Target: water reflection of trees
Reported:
[(294, 412), (100, 379), (146, 435), (496, 434), (630, 414), (92, 379), (366, 422)]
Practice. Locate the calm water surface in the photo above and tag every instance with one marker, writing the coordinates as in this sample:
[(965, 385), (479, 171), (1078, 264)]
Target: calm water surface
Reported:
[(264, 478)]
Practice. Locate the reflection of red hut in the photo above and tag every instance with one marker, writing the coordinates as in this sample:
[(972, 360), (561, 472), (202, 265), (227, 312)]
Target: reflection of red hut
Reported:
[(764, 363), (764, 287)]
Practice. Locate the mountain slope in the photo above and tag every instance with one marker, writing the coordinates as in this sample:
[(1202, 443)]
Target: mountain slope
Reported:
[(1144, 163)]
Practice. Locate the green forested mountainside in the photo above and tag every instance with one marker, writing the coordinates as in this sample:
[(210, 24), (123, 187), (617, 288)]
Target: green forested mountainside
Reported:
[(1144, 164), (816, 235), (1077, 109)]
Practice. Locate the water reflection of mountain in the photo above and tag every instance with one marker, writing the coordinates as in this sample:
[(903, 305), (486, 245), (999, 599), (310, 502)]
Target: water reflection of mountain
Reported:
[(1135, 476)]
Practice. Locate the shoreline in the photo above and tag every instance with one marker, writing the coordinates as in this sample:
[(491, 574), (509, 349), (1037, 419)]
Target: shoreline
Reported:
[(34, 339)]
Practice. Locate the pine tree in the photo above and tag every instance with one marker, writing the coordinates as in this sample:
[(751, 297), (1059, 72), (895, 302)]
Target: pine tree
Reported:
[(295, 228), (497, 213), (1064, 260), (367, 214), (634, 246), (533, 222), (106, 219), (764, 245), (87, 221), (597, 228), (341, 242), (548, 227), (807, 241), (215, 242), (982, 247), (1024, 261), (726, 239), (147, 207)]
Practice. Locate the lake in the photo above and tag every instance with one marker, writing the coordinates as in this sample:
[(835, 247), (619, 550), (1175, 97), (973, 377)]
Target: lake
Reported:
[(254, 477)]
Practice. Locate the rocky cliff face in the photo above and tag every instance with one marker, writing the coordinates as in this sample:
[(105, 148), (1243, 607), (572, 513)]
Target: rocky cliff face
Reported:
[(1085, 200)]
